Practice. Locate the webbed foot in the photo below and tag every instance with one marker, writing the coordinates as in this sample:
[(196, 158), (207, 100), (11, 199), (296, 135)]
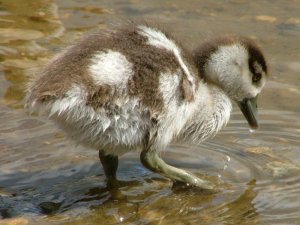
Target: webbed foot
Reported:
[(153, 162)]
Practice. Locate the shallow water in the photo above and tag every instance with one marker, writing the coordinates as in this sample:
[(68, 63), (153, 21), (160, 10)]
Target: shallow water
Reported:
[(45, 179)]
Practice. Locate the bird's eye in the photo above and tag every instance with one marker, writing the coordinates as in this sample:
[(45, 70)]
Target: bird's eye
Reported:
[(256, 77)]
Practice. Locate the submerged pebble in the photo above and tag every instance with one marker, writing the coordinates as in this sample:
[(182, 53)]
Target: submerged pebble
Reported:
[(10, 34), (280, 169), (6, 51), (15, 221), (49, 207), (266, 18)]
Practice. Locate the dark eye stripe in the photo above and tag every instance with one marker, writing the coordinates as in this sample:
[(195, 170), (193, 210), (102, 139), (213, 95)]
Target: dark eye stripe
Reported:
[(256, 56)]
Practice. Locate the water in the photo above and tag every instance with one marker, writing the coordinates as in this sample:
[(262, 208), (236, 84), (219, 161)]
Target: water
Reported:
[(45, 179)]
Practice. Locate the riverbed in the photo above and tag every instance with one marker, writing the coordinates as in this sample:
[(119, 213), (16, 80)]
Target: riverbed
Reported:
[(46, 179)]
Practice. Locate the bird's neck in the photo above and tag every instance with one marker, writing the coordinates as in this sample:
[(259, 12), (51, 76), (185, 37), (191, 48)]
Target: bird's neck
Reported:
[(214, 108)]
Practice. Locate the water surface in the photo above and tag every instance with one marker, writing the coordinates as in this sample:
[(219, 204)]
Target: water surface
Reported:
[(45, 179)]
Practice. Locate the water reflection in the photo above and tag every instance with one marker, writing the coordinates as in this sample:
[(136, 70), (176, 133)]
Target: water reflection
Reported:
[(45, 179)]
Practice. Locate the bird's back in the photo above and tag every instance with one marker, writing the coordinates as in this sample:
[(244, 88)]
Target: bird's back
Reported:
[(105, 89)]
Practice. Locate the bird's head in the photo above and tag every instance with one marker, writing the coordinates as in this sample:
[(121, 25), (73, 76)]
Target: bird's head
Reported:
[(238, 67)]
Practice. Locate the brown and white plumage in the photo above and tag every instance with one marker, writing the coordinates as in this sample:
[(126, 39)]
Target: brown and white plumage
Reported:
[(119, 89)]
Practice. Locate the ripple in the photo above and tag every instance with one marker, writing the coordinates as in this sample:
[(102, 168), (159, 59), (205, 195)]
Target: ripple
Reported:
[(257, 173), (261, 169), (280, 201)]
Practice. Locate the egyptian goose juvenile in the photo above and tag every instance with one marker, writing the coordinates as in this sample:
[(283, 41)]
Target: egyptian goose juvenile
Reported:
[(135, 88)]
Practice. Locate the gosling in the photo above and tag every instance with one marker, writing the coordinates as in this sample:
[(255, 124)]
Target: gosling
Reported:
[(135, 88)]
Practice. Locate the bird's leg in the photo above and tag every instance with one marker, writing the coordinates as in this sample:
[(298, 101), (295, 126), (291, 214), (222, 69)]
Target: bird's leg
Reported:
[(153, 162), (110, 166)]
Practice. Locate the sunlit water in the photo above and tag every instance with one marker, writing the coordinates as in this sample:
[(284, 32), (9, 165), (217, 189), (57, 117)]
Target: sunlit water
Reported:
[(45, 179)]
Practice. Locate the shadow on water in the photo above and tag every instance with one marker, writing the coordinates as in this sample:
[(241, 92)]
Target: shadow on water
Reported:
[(56, 191), (146, 200), (45, 179)]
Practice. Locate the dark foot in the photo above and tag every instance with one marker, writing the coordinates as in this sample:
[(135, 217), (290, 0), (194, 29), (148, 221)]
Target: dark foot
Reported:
[(153, 162), (121, 183)]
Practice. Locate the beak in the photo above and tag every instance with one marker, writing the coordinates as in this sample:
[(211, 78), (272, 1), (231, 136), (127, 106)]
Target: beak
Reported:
[(249, 109)]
